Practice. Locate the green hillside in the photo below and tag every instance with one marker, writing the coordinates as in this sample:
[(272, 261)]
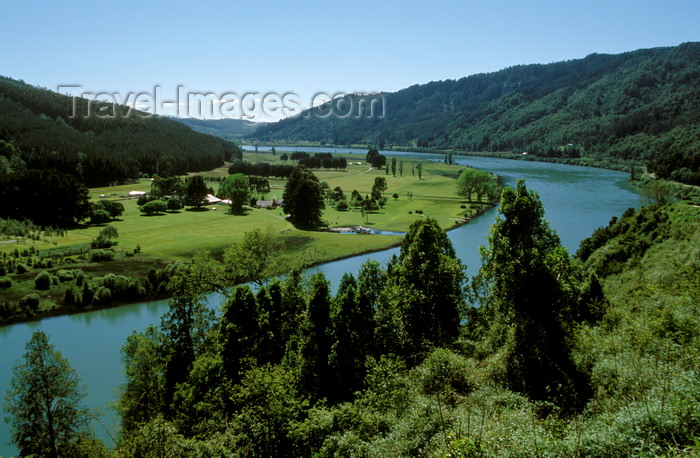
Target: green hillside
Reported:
[(641, 106), (229, 129), (38, 130)]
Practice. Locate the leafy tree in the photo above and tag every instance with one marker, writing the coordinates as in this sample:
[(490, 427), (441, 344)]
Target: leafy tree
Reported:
[(43, 280), (473, 181), (174, 204), (255, 258), (143, 394), (379, 187), (303, 198), (154, 207), (235, 188), (427, 283), (170, 186), (523, 292), (240, 332), (187, 323), (196, 191), (43, 403)]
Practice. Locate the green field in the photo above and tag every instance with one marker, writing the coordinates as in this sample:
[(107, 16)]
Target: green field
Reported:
[(178, 236)]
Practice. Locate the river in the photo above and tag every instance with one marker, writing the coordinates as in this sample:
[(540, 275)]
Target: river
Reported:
[(576, 199)]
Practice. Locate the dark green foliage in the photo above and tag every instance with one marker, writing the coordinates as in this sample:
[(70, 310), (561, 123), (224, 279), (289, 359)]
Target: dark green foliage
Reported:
[(351, 328), (236, 189), (525, 296), (101, 150), (47, 197), (426, 282), (173, 204), (303, 199), (43, 403), (161, 187), (262, 169), (142, 396), (5, 283), (154, 207), (240, 333), (101, 255), (316, 378), (29, 304), (104, 210), (628, 238), (42, 281), (196, 191)]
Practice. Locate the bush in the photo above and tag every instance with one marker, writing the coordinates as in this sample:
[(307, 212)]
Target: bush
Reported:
[(42, 281), (21, 268), (3, 271), (174, 204), (5, 282), (395, 195), (103, 296), (154, 207), (65, 275), (419, 212), (101, 255), (72, 296), (342, 205), (29, 304)]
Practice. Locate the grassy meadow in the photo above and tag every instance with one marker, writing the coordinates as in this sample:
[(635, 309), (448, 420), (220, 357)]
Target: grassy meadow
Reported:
[(159, 239)]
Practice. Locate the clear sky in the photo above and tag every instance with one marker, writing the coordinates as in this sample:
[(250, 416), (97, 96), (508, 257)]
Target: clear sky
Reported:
[(307, 47)]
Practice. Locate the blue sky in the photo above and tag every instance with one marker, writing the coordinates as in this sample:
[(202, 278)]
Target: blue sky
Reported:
[(308, 47)]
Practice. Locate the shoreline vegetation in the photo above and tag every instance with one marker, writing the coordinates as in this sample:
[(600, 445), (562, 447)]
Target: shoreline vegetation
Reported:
[(639, 176), (146, 245)]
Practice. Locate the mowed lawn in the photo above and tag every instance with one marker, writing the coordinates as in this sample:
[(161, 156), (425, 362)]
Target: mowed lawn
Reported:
[(179, 235)]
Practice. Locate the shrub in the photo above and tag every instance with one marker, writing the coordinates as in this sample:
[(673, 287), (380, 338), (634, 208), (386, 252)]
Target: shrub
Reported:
[(101, 255), (5, 282), (154, 207), (3, 271), (29, 304), (103, 296), (395, 195), (43, 280), (72, 296), (463, 206), (419, 212), (21, 268), (342, 205), (65, 275)]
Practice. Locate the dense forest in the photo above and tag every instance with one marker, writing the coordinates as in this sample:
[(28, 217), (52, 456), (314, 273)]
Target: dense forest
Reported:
[(642, 106), (40, 130), (230, 129)]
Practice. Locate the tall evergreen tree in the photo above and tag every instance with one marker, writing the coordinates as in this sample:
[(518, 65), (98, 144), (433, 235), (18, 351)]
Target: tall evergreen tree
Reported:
[(523, 292), (303, 198), (427, 283), (315, 346)]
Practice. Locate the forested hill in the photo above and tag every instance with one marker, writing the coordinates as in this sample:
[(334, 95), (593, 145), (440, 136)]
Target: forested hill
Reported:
[(37, 126), (637, 105), (229, 129)]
